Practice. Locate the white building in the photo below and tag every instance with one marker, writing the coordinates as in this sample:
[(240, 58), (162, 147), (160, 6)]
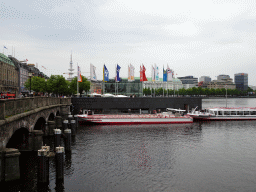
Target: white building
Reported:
[(175, 84)]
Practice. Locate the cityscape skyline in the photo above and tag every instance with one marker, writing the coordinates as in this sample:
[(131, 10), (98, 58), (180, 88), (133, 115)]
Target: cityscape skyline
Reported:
[(203, 38)]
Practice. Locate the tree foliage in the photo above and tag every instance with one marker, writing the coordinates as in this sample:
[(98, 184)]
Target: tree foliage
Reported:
[(38, 84), (83, 86), (58, 85), (199, 91)]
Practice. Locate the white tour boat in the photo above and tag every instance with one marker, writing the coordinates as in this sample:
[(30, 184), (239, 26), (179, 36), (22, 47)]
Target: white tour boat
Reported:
[(224, 114), (171, 116)]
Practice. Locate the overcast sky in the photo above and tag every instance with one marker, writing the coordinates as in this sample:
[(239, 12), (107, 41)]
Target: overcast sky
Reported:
[(199, 37)]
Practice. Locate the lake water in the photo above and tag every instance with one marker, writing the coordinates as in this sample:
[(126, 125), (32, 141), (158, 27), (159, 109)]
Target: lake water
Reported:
[(207, 156)]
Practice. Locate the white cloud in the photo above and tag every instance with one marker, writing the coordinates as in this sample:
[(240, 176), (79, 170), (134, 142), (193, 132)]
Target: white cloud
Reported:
[(200, 37)]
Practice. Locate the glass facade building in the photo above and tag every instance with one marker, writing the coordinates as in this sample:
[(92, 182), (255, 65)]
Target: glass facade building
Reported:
[(241, 81), (124, 87)]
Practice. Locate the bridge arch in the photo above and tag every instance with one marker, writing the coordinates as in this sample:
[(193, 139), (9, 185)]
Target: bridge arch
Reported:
[(51, 117), (58, 113), (19, 139), (40, 124)]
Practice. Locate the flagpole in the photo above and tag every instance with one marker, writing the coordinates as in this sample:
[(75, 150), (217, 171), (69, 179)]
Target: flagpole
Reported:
[(103, 82), (77, 80), (167, 88)]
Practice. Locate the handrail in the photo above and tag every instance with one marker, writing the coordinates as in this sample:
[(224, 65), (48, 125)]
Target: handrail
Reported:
[(10, 107)]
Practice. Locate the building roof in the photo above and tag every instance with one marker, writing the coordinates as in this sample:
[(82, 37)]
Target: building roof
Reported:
[(5, 59)]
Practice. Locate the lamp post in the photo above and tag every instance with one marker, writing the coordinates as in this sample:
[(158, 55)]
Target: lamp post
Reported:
[(226, 95), (30, 75)]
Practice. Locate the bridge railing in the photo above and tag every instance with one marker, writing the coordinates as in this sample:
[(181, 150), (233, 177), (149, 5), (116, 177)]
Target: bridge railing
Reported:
[(10, 107)]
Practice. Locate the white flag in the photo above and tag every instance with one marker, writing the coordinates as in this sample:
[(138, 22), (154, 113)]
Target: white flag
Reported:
[(169, 74), (153, 74), (156, 73), (130, 73), (93, 72)]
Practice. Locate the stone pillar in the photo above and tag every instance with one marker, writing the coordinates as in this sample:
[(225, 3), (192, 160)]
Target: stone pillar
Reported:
[(64, 109), (58, 120), (2, 109), (9, 164), (51, 126), (46, 129), (76, 119), (35, 140)]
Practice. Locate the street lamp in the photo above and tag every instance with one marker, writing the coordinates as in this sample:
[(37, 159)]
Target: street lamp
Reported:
[(226, 95), (30, 75)]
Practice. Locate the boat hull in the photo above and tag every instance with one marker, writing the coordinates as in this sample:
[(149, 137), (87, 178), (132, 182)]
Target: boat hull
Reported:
[(129, 120), (226, 118)]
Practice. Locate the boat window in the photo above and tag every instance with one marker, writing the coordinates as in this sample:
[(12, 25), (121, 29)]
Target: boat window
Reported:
[(253, 112), (233, 112), (226, 112), (246, 112), (220, 113), (240, 113)]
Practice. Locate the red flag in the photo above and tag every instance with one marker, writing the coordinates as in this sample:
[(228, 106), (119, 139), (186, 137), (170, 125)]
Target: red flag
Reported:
[(142, 73)]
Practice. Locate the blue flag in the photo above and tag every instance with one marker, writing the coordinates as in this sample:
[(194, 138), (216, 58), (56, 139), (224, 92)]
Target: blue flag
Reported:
[(164, 75), (117, 73), (106, 74), (5, 47)]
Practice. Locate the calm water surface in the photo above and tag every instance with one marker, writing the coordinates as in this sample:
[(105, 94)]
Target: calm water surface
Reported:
[(208, 156)]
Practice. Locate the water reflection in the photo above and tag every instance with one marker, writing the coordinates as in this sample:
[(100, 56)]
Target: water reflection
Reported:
[(108, 156), (203, 156)]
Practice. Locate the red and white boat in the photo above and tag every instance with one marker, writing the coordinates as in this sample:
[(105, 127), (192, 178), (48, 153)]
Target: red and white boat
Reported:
[(119, 119), (225, 114)]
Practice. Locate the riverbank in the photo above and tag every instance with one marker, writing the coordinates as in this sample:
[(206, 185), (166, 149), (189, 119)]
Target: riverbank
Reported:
[(230, 97)]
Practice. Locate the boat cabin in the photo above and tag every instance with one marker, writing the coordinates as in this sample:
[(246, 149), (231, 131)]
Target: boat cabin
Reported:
[(232, 111)]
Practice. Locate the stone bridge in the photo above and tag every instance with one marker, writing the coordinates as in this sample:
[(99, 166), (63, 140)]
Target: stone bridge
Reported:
[(22, 120)]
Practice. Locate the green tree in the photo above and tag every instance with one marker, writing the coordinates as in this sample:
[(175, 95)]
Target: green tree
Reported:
[(83, 86), (38, 84), (207, 91), (170, 92), (58, 85), (182, 91), (147, 91)]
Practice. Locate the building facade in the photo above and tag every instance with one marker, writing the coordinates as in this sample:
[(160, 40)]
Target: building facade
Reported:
[(241, 81), (22, 73), (224, 78), (205, 79), (223, 81), (189, 80), (9, 76), (124, 87), (175, 84)]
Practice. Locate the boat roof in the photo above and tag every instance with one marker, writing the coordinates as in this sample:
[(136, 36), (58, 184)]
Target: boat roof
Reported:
[(232, 109), (172, 109)]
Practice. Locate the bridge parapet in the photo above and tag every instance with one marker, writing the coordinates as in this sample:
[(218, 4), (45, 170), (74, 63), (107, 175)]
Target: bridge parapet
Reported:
[(10, 107)]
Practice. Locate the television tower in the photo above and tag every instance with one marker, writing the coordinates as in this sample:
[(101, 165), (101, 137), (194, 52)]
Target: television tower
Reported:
[(70, 73)]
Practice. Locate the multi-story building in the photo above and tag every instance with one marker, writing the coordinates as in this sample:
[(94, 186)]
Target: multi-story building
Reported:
[(205, 79), (215, 84), (223, 81), (175, 84), (189, 81), (241, 81), (8, 76), (224, 78), (22, 73)]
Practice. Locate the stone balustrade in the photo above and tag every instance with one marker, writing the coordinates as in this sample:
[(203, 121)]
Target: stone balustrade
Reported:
[(10, 107)]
